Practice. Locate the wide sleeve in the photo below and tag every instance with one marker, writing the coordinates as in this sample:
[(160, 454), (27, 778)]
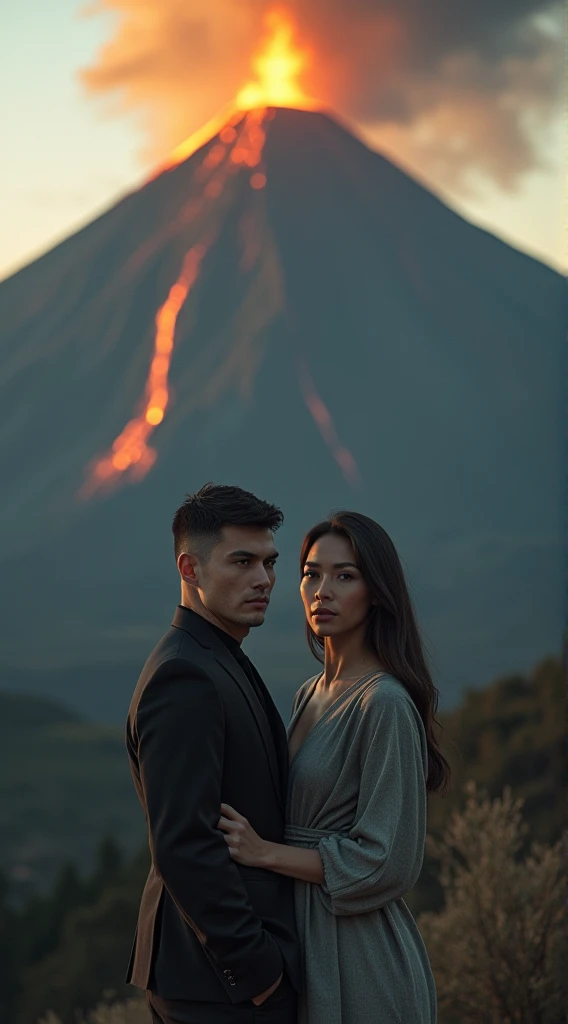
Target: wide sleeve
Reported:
[(379, 860), (180, 726)]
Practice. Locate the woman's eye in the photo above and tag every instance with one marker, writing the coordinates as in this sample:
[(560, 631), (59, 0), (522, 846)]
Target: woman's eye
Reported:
[(345, 576), (309, 574)]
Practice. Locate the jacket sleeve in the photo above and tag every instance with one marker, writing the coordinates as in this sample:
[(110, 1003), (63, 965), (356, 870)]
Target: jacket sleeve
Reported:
[(379, 860), (180, 726)]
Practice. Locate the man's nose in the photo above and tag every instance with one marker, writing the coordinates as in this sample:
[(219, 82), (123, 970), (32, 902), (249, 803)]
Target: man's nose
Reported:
[(263, 580)]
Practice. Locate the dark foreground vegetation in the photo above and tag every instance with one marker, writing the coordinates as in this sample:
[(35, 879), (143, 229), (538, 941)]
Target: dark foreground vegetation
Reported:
[(489, 900)]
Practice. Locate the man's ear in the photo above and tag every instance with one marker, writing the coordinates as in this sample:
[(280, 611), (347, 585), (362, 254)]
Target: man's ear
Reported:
[(188, 566)]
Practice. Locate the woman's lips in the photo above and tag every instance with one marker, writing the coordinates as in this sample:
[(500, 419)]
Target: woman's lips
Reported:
[(323, 614)]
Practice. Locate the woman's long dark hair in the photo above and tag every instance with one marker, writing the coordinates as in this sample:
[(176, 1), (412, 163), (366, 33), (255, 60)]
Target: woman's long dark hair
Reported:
[(392, 631)]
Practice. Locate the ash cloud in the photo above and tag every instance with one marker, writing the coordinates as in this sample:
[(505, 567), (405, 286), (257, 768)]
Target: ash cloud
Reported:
[(450, 88)]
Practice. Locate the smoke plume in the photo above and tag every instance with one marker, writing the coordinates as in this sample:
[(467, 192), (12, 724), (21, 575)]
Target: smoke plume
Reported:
[(448, 87)]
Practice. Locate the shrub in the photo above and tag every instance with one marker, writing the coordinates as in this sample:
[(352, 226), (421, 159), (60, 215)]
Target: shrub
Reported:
[(133, 1011), (497, 945)]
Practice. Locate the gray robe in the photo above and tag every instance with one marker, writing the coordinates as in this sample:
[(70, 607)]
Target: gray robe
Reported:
[(358, 794)]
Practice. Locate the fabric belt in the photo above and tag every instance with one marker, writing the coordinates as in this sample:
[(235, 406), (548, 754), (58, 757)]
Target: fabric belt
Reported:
[(308, 837)]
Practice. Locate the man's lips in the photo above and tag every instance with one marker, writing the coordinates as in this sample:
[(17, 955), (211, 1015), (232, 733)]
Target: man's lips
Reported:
[(258, 600)]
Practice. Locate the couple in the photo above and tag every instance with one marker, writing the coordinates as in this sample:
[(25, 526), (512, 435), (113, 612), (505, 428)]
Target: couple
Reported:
[(278, 867)]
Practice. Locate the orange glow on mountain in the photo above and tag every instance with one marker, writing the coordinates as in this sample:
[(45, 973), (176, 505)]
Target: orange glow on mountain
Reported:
[(277, 66), (130, 450), (236, 145), (322, 418), (238, 149)]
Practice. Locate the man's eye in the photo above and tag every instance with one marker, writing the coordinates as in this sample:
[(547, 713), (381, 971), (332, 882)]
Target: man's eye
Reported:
[(243, 561)]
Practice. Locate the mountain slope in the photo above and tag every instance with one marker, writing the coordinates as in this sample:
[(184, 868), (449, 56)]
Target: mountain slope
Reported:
[(63, 785), (435, 348)]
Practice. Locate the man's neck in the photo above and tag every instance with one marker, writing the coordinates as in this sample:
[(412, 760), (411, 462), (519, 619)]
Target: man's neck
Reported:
[(234, 629)]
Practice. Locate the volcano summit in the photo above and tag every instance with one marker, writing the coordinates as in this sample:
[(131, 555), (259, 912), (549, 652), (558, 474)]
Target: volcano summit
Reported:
[(288, 311)]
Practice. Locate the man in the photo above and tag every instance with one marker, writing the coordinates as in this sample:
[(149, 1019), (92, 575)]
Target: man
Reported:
[(215, 941)]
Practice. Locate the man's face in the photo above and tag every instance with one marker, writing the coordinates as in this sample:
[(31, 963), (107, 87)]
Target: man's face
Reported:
[(235, 582)]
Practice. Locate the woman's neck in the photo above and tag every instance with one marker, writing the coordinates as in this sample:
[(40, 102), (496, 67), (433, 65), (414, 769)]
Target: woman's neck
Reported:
[(347, 658)]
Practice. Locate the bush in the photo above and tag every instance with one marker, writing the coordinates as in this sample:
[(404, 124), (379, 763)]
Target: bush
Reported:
[(90, 959), (497, 945), (133, 1011)]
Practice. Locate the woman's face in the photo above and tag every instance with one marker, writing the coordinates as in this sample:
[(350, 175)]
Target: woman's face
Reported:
[(335, 595)]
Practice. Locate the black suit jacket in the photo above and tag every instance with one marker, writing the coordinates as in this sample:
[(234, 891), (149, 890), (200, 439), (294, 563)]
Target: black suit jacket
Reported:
[(197, 736)]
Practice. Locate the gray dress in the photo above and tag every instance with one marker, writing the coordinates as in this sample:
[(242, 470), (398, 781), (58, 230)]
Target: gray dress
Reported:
[(358, 795)]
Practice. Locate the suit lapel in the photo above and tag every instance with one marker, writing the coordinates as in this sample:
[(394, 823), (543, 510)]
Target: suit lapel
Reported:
[(281, 741), (277, 759), (235, 671)]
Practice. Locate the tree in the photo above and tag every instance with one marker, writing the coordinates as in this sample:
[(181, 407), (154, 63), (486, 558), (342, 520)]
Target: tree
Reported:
[(497, 945), (91, 958), (10, 952)]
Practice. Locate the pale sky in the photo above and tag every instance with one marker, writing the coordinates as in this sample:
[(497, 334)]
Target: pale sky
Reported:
[(65, 159)]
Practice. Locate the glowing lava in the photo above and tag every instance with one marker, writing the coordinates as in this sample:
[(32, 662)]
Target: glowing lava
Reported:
[(277, 66), (239, 147), (322, 418), (237, 138), (130, 450)]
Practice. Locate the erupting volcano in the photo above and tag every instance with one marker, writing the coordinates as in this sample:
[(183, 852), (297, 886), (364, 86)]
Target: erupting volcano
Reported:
[(281, 308), (240, 144)]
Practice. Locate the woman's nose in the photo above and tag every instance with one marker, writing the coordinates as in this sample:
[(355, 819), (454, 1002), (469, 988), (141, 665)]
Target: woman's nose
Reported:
[(323, 590)]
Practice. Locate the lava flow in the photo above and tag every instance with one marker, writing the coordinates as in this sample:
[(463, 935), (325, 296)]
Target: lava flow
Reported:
[(130, 450), (237, 135), (322, 418), (237, 147)]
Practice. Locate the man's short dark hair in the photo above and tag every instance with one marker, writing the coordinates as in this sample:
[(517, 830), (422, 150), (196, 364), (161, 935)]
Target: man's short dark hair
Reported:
[(198, 523)]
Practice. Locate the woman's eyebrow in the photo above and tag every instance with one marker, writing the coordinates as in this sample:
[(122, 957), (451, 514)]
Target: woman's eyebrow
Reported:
[(337, 565)]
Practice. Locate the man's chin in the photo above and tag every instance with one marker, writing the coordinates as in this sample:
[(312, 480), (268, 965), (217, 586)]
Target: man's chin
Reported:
[(254, 618)]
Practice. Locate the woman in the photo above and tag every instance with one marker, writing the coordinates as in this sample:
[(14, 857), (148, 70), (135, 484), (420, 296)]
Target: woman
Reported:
[(362, 755)]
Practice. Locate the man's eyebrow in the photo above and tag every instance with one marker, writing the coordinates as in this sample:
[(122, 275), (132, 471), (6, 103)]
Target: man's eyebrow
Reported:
[(251, 554), (337, 565)]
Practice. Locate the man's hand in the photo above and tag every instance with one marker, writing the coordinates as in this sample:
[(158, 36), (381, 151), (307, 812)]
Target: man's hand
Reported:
[(259, 1000)]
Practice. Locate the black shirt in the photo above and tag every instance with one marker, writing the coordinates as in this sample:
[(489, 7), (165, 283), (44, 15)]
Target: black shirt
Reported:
[(234, 648), (255, 680)]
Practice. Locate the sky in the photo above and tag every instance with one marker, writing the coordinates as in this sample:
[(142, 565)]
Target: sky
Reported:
[(92, 98)]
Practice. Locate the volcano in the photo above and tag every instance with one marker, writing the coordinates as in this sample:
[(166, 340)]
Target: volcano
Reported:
[(338, 338)]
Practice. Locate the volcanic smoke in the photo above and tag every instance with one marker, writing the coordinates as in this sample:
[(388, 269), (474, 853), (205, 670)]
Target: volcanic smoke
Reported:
[(241, 133)]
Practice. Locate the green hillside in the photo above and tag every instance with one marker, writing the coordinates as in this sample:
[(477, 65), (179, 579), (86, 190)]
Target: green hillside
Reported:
[(63, 785)]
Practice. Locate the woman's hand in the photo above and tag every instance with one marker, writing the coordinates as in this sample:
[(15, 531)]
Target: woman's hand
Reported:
[(245, 846)]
